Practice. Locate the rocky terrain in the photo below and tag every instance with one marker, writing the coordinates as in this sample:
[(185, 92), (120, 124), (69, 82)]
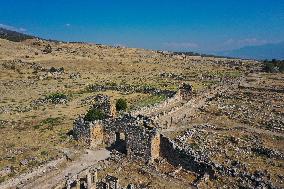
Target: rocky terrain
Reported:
[(232, 126)]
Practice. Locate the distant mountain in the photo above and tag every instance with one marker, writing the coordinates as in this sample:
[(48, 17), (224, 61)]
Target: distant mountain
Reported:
[(268, 51), (13, 35)]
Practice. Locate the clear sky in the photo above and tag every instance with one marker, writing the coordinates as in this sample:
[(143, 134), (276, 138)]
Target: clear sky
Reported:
[(197, 25)]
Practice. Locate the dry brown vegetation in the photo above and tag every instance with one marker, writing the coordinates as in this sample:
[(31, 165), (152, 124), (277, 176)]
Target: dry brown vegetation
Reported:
[(37, 130)]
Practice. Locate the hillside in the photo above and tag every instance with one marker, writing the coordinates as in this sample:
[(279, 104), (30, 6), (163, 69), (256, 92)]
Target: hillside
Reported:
[(233, 121), (13, 35)]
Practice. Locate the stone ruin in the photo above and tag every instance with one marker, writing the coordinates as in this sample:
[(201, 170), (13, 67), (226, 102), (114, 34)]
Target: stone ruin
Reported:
[(136, 136), (102, 102), (185, 91), (88, 179)]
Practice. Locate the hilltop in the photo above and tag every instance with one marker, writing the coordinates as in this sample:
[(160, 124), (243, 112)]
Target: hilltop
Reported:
[(13, 35)]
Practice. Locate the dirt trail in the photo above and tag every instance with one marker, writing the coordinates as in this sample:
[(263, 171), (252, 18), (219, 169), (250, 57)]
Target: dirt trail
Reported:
[(48, 179)]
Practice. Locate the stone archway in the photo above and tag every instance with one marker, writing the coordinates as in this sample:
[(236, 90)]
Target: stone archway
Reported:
[(120, 142)]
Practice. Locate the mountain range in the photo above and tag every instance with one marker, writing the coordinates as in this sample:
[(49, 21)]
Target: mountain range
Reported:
[(262, 52), (14, 35)]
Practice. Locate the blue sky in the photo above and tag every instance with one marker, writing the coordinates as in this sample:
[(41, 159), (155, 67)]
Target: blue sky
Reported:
[(191, 25)]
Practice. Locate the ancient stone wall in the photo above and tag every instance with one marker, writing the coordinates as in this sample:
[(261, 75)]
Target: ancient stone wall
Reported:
[(102, 102), (138, 135), (97, 134), (132, 89), (81, 130), (156, 146), (185, 91), (141, 137), (179, 156)]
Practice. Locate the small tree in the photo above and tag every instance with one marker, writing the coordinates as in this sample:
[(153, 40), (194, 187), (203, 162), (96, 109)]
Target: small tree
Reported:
[(94, 114), (121, 105)]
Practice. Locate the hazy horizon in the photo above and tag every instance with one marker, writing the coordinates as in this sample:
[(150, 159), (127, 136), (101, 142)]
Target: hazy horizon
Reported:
[(203, 26)]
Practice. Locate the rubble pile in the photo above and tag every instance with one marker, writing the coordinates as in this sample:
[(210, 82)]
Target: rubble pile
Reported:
[(227, 156), (47, 100), (245, 105)]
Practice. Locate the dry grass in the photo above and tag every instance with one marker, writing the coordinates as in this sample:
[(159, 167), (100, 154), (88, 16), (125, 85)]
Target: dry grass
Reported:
[(42, 131)]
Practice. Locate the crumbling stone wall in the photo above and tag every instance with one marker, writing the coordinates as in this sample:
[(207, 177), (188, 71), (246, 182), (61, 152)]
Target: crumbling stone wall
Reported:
[(84, 179), (155, 147), (132, 89), (179, 156), (185, 91), (141, 136), (97, 135), (82, 130), (102, 102)]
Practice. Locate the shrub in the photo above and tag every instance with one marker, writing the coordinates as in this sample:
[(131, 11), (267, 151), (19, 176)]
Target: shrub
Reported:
[(57, 97), (44, 153), (51, 121), (94, 114), (121, 105), (273, 66)]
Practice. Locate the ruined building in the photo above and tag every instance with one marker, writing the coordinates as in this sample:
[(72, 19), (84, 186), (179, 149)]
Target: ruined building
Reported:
[(88, 179), (136, 136)]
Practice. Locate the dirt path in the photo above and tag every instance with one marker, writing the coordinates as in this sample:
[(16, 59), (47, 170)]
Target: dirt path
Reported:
[(44, 179)]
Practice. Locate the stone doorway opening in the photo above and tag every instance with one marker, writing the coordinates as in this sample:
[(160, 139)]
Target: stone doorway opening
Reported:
[(120, 142), (83, 183)]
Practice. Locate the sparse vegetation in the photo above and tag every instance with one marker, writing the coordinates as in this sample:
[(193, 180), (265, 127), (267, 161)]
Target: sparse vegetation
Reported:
[(121, 105), (51, 121), (273, 66), (150, 101), (94, 114), (57, 97)]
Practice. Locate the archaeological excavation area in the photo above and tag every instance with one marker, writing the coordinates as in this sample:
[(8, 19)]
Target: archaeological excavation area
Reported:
[(190, 121)]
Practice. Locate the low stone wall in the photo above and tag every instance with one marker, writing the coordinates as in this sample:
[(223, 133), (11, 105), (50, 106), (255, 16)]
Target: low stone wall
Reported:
[(178, 156), (132, 89)]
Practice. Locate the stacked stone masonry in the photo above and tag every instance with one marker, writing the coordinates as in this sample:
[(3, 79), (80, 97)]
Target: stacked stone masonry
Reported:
[(137, 135)]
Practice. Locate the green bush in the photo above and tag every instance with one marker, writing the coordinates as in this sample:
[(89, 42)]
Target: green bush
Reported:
[(94, 114), (121, 105), (51, 121), (273, 66), (56, 97)]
